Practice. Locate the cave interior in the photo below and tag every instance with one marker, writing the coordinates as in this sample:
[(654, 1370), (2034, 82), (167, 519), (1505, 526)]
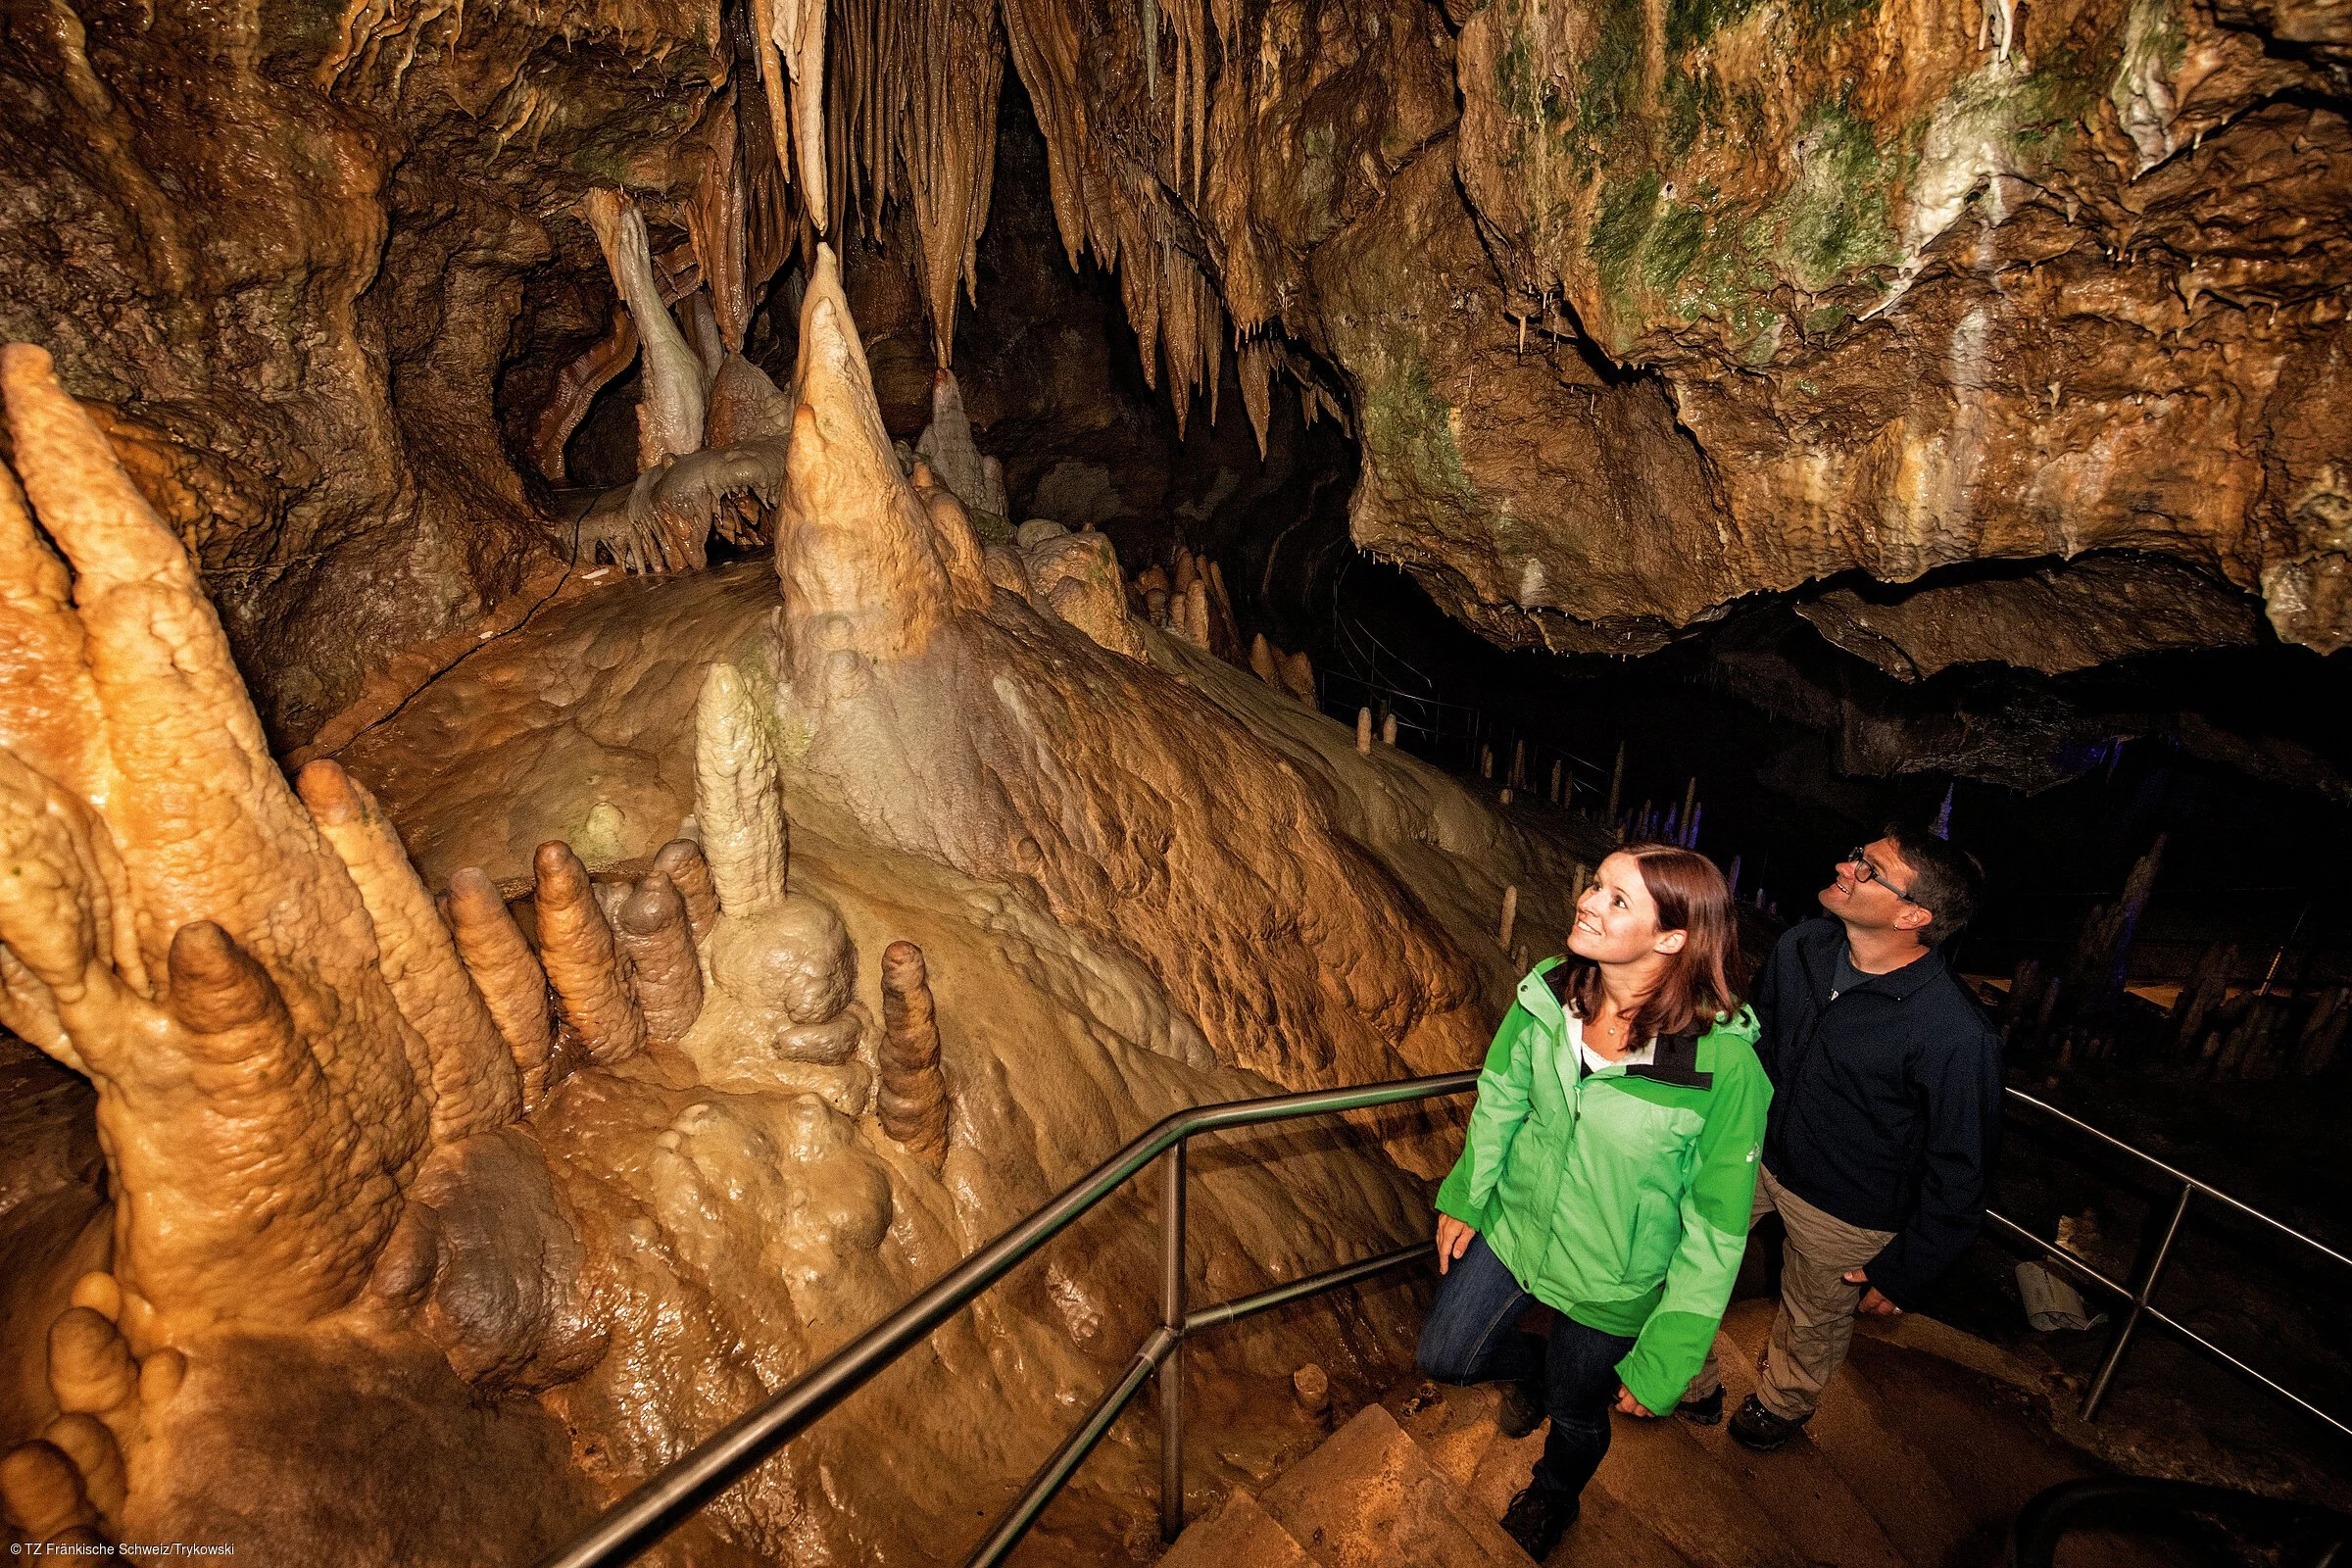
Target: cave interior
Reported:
[(660, 664)]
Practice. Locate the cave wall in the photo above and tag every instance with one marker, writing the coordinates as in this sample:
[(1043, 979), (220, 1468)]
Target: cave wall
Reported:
[(1642, 306), (1633, 307), (283, 245)]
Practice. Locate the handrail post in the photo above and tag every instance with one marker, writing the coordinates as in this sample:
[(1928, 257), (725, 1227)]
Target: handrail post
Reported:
[(1171, 1318), (2099, 1384)]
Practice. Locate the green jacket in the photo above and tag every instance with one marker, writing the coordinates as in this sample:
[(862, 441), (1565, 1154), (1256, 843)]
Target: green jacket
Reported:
[(1619, 1199)]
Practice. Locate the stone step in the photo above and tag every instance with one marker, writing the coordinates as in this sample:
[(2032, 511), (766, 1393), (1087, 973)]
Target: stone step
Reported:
[(1797, 1485), (1240, 1534), (1370, 1497), (1456, 1428), (1898, 1486), (1662, 1475)]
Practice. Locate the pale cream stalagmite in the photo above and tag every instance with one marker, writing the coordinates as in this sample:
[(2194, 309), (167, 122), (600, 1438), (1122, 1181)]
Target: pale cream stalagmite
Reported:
[(913, 1098), (780, 1006), (669, 419), (739, 803), (946, 444)]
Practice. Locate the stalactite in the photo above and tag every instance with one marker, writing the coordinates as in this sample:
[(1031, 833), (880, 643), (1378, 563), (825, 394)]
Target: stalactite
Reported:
[(669, 419), (797, 28), (717, 223), (1253, 361), (914, 1099), (948, 146)]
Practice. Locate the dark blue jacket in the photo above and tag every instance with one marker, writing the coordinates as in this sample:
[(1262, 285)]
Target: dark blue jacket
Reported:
[(1886, 1102)]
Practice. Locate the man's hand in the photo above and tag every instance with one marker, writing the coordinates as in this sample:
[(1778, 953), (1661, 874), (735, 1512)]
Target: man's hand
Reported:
[(1453, 1239), (1627, 1404), (1873, 1304)]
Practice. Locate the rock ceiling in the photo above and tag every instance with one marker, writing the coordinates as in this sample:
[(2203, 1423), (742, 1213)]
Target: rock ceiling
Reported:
[(1634, 308)]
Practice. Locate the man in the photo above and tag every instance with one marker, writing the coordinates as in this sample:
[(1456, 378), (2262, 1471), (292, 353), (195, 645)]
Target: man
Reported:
[(1886, 1096)]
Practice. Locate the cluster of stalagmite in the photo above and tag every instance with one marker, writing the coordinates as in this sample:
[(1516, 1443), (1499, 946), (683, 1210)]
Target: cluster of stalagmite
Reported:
[(313, 1076)]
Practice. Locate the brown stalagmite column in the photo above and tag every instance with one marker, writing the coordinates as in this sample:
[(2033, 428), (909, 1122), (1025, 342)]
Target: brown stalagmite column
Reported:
[(651, 927), (681, 860), (507, 974), (1363, 731), (914, 1098), (1388, 729), (1510, 914), (1298, 674), (1264, 661), (582, 963)]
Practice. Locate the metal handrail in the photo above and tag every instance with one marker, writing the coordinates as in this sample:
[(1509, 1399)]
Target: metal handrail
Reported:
[(2139, 1296), (680, 1489), (2142, 1500)]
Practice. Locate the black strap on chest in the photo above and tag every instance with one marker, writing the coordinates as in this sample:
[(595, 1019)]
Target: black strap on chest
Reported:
[(1676, 1059), (1676, 1062)]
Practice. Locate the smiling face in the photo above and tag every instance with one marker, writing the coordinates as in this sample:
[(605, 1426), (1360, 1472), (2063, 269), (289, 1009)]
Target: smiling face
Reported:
[(1867, 893), (1617, 920)]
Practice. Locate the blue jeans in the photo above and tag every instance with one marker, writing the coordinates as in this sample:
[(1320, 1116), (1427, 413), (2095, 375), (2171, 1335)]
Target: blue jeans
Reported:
[(1472, 1337)]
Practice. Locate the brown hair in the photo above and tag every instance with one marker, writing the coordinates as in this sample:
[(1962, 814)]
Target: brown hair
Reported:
[(1692, 897)]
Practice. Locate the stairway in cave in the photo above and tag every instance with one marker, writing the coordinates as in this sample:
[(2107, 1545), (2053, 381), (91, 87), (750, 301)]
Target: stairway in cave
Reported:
[(1923, 1450)]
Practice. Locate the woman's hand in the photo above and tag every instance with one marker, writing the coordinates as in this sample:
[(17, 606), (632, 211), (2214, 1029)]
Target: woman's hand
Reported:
[(1453, 1239), (1627, 1404)]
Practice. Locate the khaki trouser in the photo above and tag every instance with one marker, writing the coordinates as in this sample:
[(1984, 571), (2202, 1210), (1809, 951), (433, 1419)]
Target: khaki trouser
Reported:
[(1816, 1321)]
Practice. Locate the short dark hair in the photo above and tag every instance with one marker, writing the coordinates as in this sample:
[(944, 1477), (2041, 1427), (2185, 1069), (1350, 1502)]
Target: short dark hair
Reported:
[(1946, 880)]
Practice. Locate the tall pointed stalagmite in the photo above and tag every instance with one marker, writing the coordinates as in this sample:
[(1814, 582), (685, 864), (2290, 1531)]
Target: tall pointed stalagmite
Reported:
[(855, 552)]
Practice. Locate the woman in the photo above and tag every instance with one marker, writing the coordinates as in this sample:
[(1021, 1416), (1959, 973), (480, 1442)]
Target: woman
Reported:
[(1610, 1164)]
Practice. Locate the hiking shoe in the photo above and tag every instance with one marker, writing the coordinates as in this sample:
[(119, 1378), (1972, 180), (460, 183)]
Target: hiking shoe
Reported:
[(1702, 1412), (1538, 1518), (1521, 1410), (1758, 1429)]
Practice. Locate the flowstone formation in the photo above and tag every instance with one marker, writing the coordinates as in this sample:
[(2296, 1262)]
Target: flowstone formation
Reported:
[(438, 1222)]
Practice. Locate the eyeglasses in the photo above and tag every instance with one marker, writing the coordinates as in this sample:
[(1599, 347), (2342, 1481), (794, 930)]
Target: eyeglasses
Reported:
[(1867, 872)]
